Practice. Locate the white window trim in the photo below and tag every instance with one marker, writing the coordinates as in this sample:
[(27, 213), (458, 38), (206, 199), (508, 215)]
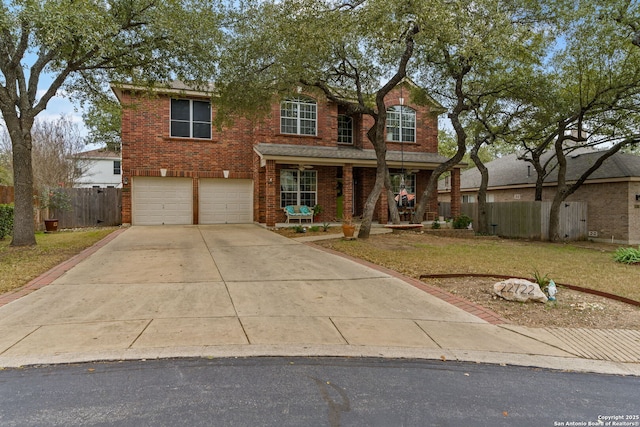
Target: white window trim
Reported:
[(298, 101), (298, 191), (190, 121), (400, 111), (351, 137)]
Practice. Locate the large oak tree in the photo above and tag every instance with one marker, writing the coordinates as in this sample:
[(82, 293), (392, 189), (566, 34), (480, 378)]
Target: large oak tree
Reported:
[(352, 53), (590, 98), (49, 47)]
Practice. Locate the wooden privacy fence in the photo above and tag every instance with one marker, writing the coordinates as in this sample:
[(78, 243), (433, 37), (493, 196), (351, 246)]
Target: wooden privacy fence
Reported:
[(90, 207), (6, 195), (528, 220)]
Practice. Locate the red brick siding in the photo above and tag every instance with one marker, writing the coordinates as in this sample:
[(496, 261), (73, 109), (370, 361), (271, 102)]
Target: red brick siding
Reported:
[(147, 148), (426, 126)]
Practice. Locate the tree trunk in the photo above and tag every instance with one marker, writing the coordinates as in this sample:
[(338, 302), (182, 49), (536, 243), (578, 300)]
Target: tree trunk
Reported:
[(23, 221), (554, 218), (376, 136), (394, 215), (540, 176), (370, 204), (561, 189), (393, 207), (482, 227), (461, 140)]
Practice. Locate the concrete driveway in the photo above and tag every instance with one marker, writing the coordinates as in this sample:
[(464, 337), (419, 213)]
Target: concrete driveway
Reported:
[(240, 290)]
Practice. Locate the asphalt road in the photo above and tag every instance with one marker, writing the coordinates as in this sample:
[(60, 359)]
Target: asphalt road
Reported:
[(311, 392)]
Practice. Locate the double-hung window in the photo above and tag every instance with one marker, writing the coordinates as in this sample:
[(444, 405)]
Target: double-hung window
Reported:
[(298, 187), (190, 118), (298, 116), (401, 124), (116, 167), (345, 129)]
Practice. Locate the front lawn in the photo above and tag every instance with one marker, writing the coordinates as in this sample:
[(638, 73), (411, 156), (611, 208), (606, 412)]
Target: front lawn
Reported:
[(19, 265), (581, 263)]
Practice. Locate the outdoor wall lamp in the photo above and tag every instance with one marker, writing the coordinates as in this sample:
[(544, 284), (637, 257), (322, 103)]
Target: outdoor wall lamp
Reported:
[(126, 180)]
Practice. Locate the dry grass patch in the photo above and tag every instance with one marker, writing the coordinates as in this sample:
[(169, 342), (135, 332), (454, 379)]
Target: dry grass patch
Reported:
[(583, 264), (19, 265)]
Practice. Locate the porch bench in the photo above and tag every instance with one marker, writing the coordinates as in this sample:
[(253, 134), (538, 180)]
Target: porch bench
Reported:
[(298, 212)]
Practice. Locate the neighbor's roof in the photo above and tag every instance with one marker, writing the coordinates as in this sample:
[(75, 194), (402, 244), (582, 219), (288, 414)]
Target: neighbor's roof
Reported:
[(510, 171), (338, 155), (100, 153)]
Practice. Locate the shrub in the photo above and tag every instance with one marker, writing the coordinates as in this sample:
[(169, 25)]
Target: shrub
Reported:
[(314, 228), (627, 255), (55, 201), (325, 226), (299, 229), (542, 281), (461, 222), (6, 220), (435, 225)]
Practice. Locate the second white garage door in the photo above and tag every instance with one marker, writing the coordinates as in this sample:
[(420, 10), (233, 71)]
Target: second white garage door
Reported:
[(226, 201)]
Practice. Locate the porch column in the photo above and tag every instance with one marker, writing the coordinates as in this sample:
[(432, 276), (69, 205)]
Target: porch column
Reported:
[(456, 198), (347, 191), (271, 199)]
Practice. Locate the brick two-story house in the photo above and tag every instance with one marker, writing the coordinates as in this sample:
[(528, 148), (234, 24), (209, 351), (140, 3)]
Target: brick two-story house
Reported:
[(178, 168)]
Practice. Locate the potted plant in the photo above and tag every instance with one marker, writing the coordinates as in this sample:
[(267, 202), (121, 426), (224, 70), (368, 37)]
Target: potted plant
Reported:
[(348, 228), (54, 201), (317, 210)]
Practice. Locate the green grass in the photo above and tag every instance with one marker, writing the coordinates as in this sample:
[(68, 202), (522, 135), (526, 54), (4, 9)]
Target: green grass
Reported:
[(19, 265), (590, 266), (627, 255)]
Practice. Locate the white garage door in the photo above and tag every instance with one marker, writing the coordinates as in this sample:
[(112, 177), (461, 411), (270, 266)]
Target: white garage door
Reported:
[(226, 201), (158, 201)]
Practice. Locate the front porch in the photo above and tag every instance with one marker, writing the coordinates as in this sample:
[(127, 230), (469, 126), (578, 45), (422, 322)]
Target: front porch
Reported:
[(338, 179)]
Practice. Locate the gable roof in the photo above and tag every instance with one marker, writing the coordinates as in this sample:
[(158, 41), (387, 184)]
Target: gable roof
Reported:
[(510, 171), (178, 87)]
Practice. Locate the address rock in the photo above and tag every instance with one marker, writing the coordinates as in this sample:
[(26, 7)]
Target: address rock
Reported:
[(519, 290)]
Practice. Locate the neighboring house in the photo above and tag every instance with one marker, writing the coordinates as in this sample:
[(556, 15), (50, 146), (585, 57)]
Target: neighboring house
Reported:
[(180, 169), (100, 168), (612, 192)]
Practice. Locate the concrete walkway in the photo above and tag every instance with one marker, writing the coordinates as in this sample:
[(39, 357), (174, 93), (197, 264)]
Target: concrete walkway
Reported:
[(241, 290)]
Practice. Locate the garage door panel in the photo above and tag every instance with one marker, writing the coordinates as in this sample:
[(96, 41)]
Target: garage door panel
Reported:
[(157, 201), (226, 201)]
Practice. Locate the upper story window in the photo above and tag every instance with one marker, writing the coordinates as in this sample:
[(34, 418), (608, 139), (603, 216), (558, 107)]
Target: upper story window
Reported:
[(116, 167), (401, 124), (190, 118), (298, 116), (345, 129)]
